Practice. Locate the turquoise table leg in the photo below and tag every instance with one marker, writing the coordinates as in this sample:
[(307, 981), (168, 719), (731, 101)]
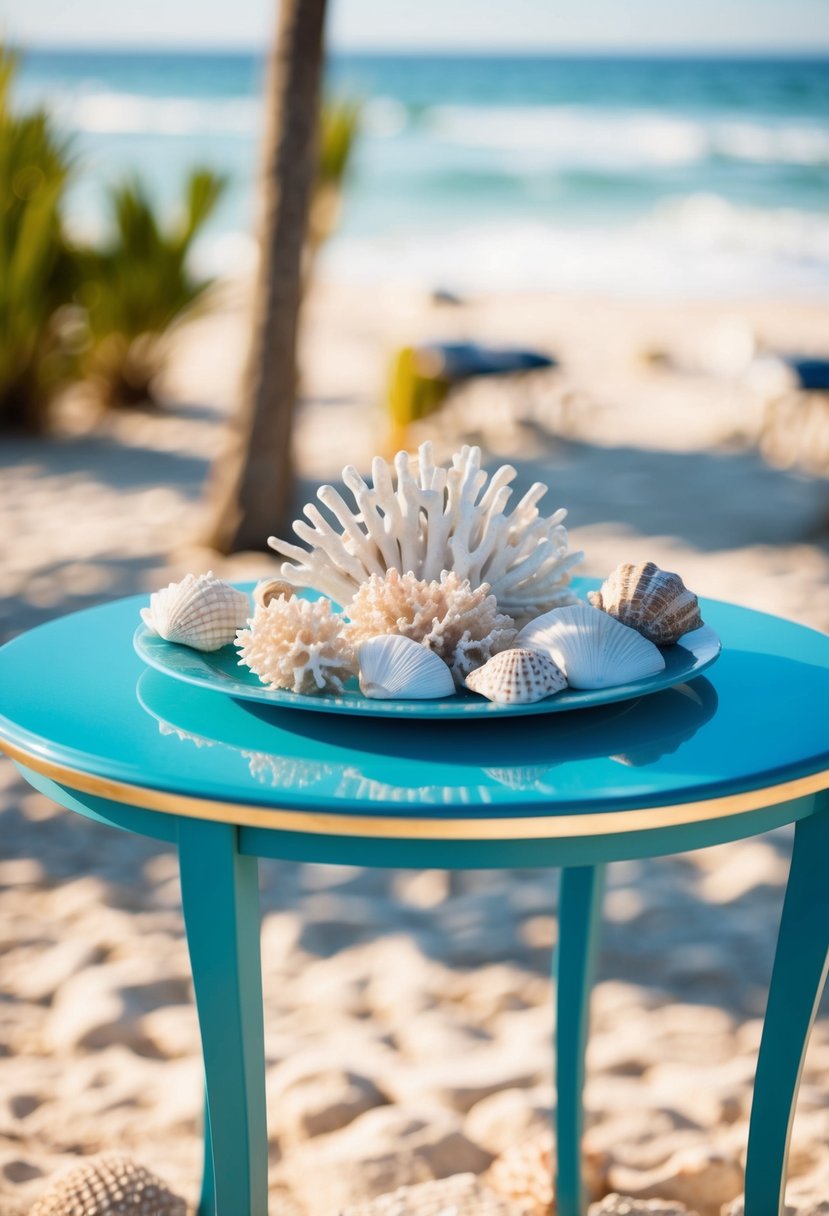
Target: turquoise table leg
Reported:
[(207, 1199), (579, 920), (800, 969), (220, 898)]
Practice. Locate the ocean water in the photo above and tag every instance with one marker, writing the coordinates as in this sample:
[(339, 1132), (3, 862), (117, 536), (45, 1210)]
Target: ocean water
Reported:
[(666, 177)]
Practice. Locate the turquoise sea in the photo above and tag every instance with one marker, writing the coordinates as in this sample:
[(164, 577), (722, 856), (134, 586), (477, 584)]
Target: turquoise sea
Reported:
[(680, 176)]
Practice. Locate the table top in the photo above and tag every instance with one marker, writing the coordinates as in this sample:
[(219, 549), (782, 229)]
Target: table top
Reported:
[(79, 707)]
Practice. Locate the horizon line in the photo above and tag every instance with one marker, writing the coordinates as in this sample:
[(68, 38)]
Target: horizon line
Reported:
[(647, 51)]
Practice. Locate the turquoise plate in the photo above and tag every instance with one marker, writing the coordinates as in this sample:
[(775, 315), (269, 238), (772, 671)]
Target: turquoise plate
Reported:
[(220, 672)]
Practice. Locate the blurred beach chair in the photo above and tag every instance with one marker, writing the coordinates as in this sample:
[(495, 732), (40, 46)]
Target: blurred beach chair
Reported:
[(795, 425), (423, 376)]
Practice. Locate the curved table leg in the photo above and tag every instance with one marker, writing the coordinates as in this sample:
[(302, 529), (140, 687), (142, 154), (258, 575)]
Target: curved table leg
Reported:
[(800, 970), (207, 1199), (580, 903), (220, 898)]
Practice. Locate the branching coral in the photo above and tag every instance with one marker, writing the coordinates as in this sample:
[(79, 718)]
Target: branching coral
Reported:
[(425, 519)]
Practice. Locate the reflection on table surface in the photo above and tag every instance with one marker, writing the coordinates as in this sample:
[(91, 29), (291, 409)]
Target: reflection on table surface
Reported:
[(288, 750)]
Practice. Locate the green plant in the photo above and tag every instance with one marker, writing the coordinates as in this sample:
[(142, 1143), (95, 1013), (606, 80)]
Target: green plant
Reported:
[(138, 287), (37, 271), (339, 126)]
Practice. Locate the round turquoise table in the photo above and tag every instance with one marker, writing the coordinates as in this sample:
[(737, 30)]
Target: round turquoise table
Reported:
[(736, 752)]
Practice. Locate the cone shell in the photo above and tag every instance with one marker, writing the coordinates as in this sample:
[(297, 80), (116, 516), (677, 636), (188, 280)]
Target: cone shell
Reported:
[(201, 611), (654, 602), (517, 677), (591, 648), (392, 666)]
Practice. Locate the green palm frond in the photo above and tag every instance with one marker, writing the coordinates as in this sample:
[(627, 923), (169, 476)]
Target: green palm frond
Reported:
[(138, 285), (36, 270), (339, 126)]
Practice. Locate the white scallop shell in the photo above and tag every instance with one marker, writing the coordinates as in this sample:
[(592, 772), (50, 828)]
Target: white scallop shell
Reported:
[(517, 677), (394, 666), (592, 648), (201, 611)]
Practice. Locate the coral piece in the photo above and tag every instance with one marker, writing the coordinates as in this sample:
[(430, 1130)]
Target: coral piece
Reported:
[(524, 1174), (201, 611), (623, 1205), (282, 772), (105, 1186), (394, 666), (654, 602), (591, 648), (271, 589), (426, 519), (298, 645), (517, 677), (166, 728), (461, 624)]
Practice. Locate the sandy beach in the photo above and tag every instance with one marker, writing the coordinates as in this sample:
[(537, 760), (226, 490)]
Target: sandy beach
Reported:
[(408, 1014)]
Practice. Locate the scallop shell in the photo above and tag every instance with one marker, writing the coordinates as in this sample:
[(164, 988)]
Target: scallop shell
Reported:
[(517, 677), (394, 666), (201, 611), (592, 649), (654, 602)]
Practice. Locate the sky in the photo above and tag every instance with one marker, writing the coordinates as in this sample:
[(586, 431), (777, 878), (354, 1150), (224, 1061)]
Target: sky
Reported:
[(452, 25)]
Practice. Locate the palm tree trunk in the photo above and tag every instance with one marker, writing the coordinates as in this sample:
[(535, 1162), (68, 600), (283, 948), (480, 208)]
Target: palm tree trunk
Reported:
[(250, 489)]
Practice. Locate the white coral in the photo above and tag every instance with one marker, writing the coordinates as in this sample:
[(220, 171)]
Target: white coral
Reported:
[(460, 623), (298, 645), (426, 519)]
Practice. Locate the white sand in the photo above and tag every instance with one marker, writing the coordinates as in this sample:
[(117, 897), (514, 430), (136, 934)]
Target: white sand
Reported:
[(408, 1016)]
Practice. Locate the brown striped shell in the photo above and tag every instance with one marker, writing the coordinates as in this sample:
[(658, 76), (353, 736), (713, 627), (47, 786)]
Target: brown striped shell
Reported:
[(105, 1186), (517, 677), (654, 602)]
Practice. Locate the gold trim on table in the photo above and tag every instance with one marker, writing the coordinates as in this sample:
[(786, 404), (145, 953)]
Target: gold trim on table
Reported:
[(327, 823)]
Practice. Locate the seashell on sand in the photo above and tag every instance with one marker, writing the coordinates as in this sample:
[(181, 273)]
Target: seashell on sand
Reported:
[(654, 602), (592, 649), (517, 677), (297, 645), (271, 589), (201, 611), (105, 1186), (420, 518), (394, 666)]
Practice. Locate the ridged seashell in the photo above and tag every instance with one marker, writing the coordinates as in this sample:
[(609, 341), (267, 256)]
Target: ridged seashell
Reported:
[(517, 677), (654, 602), (297, 645), (201, 611), (394, 666), (105, 1186), (271, 589), (592, 649), (421, 518)]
